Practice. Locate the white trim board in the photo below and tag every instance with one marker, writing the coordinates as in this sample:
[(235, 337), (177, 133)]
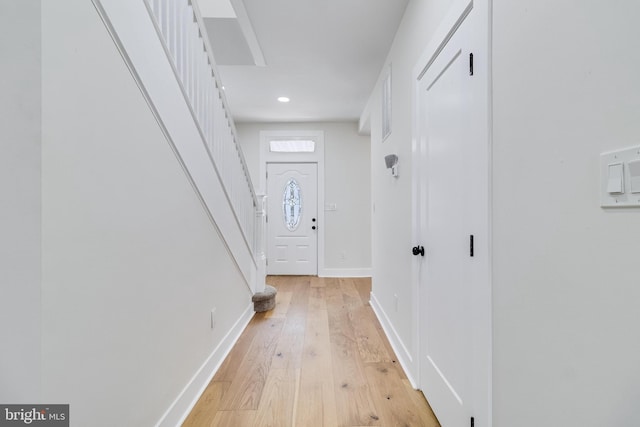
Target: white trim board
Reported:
[(402, 352), (457, 13), (188, 397), (345, 272)]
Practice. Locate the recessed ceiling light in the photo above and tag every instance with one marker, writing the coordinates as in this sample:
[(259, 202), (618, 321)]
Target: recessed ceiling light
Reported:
[(283, 99)]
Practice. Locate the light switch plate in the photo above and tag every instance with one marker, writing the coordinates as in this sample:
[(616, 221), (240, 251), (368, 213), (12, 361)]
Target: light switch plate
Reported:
[(627, 194), (634, 173)]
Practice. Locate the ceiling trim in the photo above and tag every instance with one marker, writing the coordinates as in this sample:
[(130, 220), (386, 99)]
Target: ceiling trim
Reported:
[(249, 33)]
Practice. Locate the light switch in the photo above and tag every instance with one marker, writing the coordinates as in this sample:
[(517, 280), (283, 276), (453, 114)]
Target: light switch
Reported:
[(634, 175), (619, 183), (615, 184)]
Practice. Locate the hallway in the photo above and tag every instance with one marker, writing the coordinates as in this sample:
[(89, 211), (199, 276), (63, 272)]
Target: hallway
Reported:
[(133, 232), (320, 358)]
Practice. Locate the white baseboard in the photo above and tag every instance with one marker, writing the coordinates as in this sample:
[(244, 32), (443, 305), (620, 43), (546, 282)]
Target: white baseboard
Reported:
[(404, 355), (186, 400), (345, 272)]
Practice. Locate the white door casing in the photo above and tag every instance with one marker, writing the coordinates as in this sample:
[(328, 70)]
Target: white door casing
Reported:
[(292, 218), (267, 156), (451, 203)]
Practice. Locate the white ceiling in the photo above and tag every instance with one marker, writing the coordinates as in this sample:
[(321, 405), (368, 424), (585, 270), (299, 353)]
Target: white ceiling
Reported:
[(323, 54)]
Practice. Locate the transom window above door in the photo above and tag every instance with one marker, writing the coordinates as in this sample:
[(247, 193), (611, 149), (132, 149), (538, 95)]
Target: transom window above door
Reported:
[(292, 146)]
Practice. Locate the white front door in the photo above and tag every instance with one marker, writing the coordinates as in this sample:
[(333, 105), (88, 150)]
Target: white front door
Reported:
[(452, 206), (292, 218)]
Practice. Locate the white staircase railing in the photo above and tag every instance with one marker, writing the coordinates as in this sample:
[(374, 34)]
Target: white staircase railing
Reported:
[(179, 28)]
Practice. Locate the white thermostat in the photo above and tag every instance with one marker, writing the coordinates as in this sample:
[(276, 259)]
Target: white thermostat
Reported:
[(620, 178)]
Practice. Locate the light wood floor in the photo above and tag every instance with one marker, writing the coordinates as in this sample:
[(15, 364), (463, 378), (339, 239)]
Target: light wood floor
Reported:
[(319, 358)]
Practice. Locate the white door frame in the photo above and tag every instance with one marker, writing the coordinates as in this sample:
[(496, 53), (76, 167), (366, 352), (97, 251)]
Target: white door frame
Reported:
[(482, 357), (266, 156)]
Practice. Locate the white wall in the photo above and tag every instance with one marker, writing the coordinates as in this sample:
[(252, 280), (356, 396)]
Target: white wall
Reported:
[(392, 237), (132, 265), (347, 184), (565, 290), (20, 206), (566, 285)]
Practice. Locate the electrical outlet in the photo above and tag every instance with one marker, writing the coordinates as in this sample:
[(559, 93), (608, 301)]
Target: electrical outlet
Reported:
[(395, 301), (213, 318), (343, 256)]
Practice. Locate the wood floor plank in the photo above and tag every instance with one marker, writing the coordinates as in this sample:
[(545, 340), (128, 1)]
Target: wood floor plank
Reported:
[(309, 406), (234, 419), (283, 300), (204, 412), (320, 359), (393, 399), (276, 404), (317, 282), (316, 402), (363, 286), (288, 283), (247, 386), (317, 302), (300, 298), (288, 352), (316, 405), (350, 294), (423, 409), (231, 363), (370, 343), (353, 399)]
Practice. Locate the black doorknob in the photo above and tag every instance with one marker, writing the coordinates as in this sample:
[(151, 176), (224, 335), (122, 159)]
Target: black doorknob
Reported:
[(418, 250)]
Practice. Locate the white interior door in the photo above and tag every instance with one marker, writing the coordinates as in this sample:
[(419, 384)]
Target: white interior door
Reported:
[(292, 218), (452, 200)]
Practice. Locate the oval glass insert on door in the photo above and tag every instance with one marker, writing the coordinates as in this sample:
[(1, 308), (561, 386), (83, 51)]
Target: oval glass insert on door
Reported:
[(292, 204)]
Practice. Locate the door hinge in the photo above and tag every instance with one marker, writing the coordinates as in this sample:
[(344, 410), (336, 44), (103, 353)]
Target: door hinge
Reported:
[(472, 422), (471, 64), (471, 245)]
